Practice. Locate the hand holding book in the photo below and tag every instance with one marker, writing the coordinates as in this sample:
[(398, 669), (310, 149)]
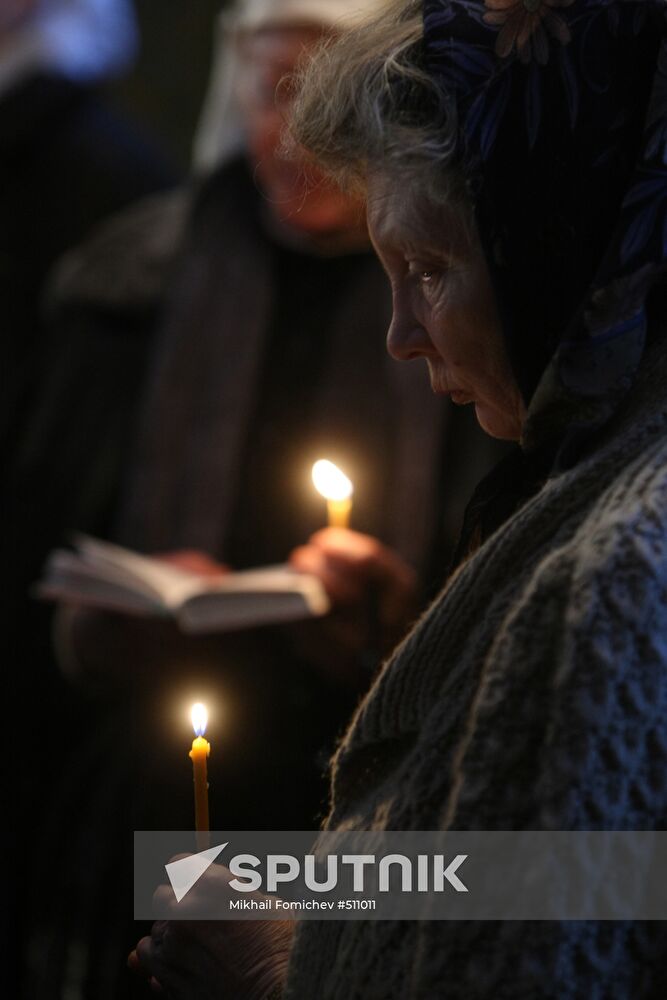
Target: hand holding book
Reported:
[(100, 575)]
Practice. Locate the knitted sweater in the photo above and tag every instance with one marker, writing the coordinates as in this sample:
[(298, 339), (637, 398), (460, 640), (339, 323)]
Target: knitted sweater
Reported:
[(532, 695)]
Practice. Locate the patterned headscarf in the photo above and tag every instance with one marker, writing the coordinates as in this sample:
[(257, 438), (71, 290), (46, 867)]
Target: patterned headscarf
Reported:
[(562, 110)]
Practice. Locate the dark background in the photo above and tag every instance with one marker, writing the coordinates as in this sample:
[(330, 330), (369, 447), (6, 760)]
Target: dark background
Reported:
[(164, 91)]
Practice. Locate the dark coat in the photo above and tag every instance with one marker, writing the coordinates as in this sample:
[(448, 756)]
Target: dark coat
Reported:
[(174, 373)]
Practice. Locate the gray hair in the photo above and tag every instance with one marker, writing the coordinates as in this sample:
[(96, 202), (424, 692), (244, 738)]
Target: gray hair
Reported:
[(365, 105)]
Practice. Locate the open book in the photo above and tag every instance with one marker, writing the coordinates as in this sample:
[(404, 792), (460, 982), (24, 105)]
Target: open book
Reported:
[(107, 576)]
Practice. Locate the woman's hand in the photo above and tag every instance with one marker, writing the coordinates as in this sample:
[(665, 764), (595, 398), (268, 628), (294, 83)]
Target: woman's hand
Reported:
[(194, 561), (213, 959), (372, 590)]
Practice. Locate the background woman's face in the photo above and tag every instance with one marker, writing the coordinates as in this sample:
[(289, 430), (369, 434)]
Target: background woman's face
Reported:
[(444, 309), (298, 195)]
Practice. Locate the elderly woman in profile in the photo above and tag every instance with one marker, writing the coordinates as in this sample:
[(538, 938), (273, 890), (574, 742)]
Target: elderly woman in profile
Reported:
[(514, 161)]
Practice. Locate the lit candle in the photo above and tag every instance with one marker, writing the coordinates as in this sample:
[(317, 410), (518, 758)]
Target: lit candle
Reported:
[(336, 488), (199, 753)]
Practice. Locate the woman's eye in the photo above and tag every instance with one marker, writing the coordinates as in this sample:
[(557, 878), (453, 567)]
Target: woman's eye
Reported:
[(423, 275)]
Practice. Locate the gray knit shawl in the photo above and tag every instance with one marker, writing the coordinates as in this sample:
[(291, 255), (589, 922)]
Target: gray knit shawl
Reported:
[(532, 695)]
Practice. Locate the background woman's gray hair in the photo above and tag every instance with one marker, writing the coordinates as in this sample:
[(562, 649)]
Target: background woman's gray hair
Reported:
[(365, 105)]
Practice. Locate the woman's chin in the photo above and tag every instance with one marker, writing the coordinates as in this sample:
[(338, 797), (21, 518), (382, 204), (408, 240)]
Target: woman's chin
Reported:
[(496, 424)]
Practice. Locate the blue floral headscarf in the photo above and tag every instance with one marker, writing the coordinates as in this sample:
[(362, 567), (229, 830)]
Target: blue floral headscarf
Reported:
[(562, 109)]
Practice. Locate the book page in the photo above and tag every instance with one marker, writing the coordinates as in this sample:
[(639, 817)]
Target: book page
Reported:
[(175, 586), (170, 584)]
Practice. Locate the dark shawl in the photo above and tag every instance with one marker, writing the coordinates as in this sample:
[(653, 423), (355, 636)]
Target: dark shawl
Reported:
[(562, 114)]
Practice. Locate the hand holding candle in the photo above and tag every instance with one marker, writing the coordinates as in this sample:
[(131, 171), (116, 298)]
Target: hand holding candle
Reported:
[(199, 754), (337, 489), (371, 588)]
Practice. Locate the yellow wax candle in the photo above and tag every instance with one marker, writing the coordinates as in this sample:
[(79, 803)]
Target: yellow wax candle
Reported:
[(338, 513), (199, 754), (337, 489)]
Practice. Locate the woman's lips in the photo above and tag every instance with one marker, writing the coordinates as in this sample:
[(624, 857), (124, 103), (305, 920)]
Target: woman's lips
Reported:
[(440, 388), (458, 396)]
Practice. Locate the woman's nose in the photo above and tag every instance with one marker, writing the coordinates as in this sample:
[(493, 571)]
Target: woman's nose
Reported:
[(407, 339)]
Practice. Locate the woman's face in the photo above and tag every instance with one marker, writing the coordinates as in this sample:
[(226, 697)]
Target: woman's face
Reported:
[(299, 196), (443, 305)]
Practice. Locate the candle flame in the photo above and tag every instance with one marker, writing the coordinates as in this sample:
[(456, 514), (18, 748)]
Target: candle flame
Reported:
[(330, 481), (199, 717)]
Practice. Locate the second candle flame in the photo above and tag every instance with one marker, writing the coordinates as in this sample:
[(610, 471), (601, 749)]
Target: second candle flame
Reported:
[(199, 717), (330, 481)]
